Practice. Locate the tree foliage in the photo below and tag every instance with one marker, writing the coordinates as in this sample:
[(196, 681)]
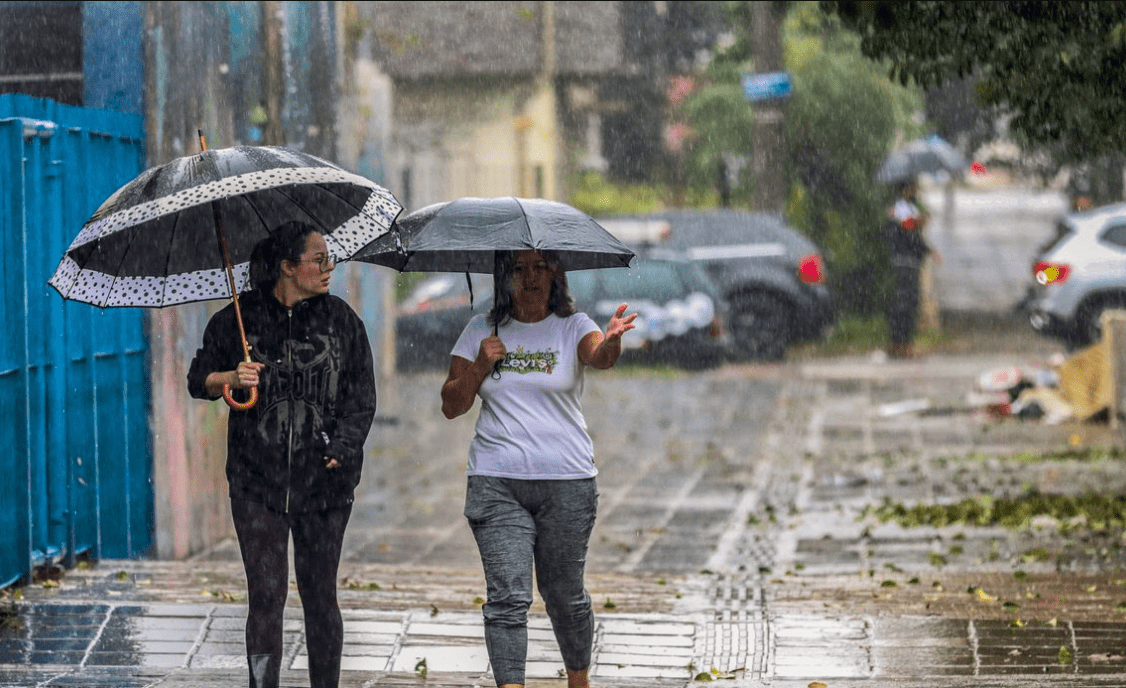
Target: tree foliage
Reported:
[(841, 122), (843, 118), (1054, 67)]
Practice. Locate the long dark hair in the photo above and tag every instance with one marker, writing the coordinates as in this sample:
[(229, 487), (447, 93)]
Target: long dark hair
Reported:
[(559, 299), (286, 242)]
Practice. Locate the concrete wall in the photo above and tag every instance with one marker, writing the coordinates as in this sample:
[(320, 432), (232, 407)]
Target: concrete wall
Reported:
[(246, 73)]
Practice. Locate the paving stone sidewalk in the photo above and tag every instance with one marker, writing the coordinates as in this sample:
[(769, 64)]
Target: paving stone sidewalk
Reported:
[(803, 587)]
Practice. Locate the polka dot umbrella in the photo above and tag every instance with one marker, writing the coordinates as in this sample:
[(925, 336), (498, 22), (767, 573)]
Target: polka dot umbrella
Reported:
[(183, 231)]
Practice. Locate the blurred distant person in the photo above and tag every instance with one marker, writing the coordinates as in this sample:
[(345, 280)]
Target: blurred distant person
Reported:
[(907, 251)]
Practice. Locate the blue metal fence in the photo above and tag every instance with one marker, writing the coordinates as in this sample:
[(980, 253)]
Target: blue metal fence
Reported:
[(74, 395)]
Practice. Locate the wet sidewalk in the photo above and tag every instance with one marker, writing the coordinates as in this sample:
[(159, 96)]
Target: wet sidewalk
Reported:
[(801, 581)]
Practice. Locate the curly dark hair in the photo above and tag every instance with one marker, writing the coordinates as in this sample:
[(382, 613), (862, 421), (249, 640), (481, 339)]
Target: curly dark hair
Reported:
[(559, 299)]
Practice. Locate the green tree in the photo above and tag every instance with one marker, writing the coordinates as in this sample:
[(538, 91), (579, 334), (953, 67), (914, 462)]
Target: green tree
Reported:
[(842, 120), (722, 124), (1054, 67)]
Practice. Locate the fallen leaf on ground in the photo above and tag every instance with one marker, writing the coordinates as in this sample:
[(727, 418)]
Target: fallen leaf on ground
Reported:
[(984, 596)]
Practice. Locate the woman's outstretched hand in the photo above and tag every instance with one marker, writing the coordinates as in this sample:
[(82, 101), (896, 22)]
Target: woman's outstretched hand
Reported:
[(620, 323), (600, 350)]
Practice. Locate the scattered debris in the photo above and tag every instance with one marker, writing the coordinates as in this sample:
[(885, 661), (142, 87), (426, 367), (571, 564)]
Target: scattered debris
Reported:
[(1079, 387)]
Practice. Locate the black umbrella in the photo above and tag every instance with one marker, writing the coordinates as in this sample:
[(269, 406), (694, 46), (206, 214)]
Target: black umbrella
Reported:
[(921, 156), (464, 235), (184, 231)]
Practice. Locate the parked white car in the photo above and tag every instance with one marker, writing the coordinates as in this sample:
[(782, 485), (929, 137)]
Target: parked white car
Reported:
[(1080, 275)]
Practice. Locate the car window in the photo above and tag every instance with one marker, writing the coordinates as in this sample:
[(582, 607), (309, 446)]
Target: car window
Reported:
[(695, 279), (649, 279), (582, 284), (1116, 235), (449, 289), (430, 289)]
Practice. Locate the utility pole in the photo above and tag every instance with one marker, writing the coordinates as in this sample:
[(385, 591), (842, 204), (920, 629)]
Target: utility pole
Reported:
[(769, 180), (274, 79)]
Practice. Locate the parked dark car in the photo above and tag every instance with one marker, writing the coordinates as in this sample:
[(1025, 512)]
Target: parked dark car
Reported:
[(429, 321), (681, 316), (771, 275)]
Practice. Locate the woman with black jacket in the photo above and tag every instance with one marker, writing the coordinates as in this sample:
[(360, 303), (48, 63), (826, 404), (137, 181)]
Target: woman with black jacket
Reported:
[(294, 458)]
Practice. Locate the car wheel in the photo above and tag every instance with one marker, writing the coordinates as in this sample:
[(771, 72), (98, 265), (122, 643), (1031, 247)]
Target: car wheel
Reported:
[(760, 326)]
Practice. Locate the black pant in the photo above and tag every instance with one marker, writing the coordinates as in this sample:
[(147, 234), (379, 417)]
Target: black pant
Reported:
[(903, 309), (318, 537)]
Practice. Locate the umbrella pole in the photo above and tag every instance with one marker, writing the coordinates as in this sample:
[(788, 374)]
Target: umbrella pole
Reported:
[(249, 403)]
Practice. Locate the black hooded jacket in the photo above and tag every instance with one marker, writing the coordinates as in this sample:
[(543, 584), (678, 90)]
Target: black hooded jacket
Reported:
[(316, 398)]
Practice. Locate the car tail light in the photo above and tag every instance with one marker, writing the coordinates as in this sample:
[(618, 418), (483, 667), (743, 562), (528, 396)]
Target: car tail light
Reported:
[(715, 330), (1051, 273), (811, 269)]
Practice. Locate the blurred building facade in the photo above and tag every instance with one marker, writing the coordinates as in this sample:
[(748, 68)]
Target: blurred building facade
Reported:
[(515, 98)]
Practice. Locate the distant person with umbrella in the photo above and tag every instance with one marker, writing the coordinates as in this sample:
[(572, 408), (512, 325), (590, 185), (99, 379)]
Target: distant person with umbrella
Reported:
[(904, 229), (907, 250), (531, 497), (294, 458)]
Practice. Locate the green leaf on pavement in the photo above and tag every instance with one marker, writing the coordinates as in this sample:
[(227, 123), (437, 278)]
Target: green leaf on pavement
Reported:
[(1065, 655)]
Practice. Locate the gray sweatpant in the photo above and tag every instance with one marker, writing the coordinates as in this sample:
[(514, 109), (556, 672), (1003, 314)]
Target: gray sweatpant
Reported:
[(545, 523)]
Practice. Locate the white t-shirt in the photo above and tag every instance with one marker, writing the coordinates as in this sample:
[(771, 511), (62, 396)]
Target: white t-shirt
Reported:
[(531, 424)]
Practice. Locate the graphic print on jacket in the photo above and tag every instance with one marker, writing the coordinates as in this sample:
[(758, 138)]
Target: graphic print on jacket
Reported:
[(297, 387), (316, 399)]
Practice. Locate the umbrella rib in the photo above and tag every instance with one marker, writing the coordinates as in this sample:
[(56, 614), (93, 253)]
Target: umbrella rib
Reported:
[(524, 214), (116, 275), (168, 258)]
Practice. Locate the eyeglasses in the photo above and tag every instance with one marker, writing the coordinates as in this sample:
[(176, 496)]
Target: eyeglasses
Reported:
[(324, 261)]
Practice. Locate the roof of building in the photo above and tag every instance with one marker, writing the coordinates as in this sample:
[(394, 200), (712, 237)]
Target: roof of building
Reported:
[(417, 40)]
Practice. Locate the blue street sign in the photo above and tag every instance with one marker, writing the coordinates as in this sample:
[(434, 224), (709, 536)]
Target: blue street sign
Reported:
[(767, 86)]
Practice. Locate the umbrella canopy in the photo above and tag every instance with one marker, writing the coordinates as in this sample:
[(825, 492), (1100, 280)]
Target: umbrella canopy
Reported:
[(154, 242), (161, 239), (921, 156), (463, 236)]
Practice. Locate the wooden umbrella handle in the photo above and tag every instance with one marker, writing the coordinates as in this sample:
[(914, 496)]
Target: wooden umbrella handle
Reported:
[(222, 235), (240, 405)]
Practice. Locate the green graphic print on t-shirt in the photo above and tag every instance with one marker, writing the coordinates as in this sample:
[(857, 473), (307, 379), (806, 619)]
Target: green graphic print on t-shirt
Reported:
[(521, 361)]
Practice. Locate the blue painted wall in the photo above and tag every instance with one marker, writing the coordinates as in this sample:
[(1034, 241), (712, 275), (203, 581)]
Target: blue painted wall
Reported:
[(74, 388)]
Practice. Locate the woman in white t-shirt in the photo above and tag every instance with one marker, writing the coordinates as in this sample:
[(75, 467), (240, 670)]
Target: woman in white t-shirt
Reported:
[(531, 497)]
